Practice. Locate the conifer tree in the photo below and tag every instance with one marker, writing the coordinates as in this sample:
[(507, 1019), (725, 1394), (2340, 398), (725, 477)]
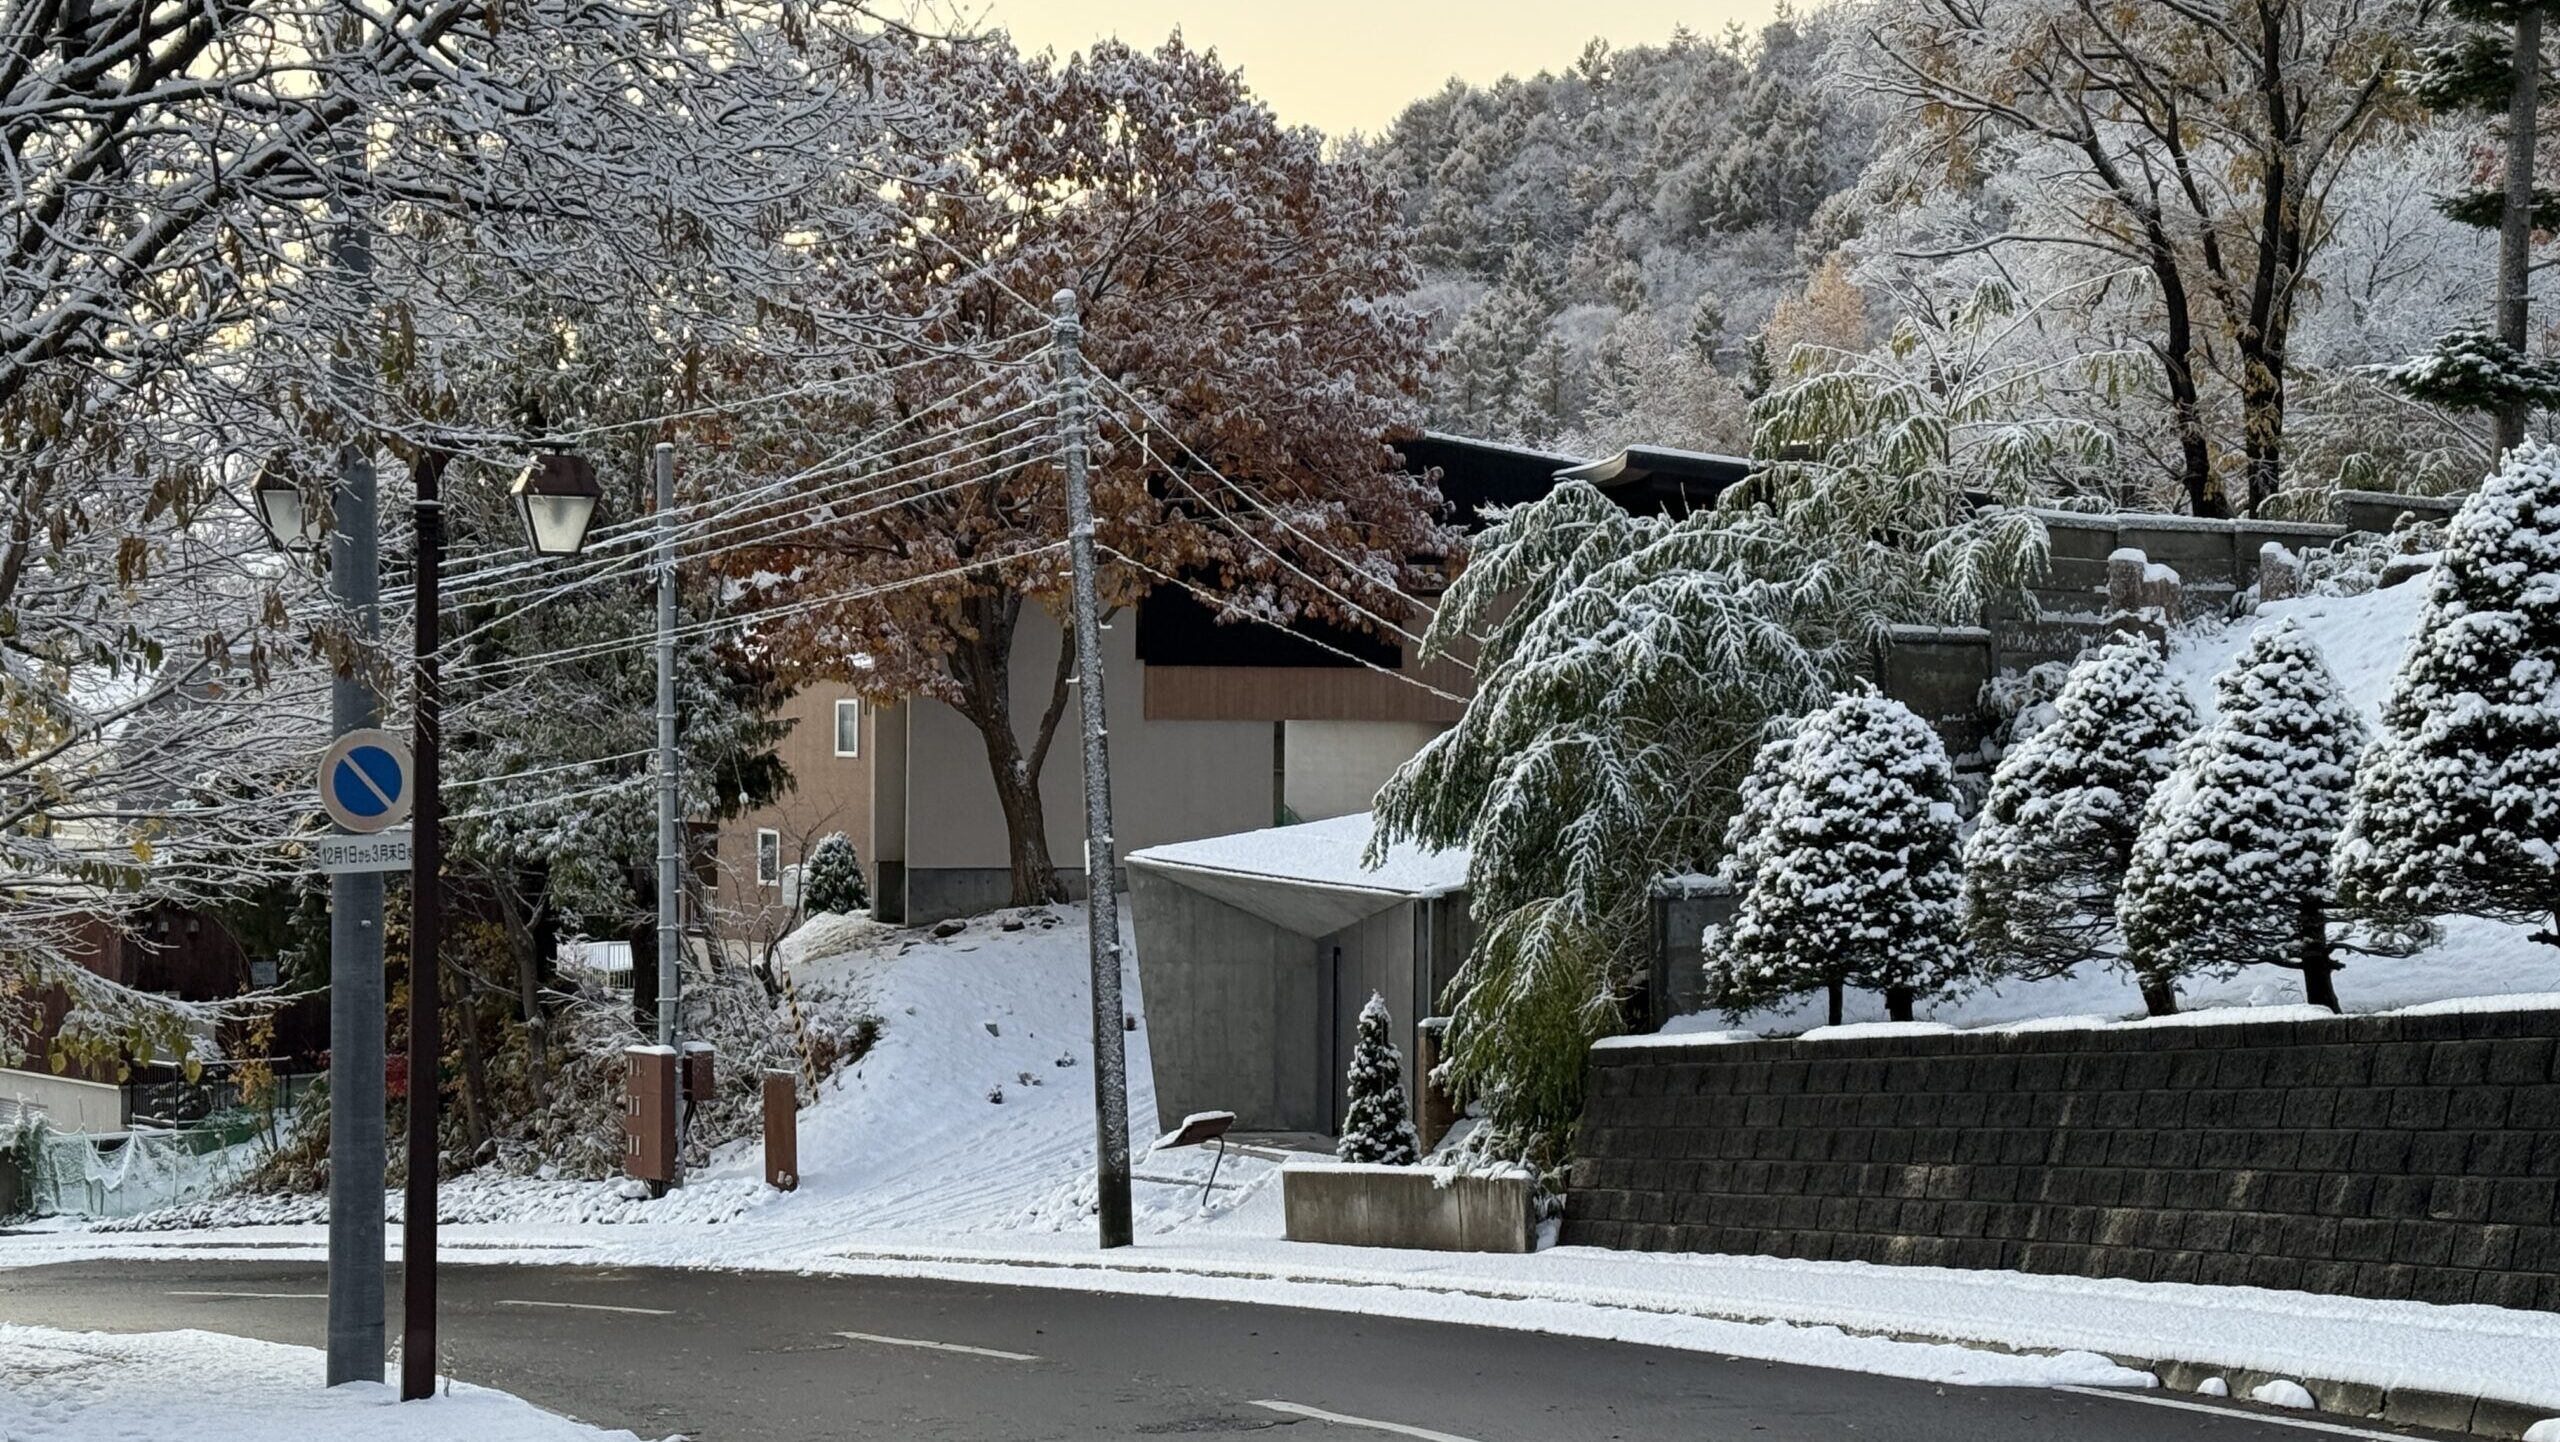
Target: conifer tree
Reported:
[(1377, 1126), (2457, 806), (1847, 846), (2058, 826), (2232, 866), (831, 879)]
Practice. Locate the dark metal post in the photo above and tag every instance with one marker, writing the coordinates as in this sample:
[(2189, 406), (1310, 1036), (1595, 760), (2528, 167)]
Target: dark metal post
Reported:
[(357, 1147), (1102, 911), (426, 1022)]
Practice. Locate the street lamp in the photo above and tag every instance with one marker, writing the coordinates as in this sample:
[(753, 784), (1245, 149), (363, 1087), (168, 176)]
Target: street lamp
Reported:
[(294, 522), (556, 496)]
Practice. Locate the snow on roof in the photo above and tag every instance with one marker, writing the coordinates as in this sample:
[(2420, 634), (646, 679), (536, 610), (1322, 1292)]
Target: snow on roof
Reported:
[(1320, 853)]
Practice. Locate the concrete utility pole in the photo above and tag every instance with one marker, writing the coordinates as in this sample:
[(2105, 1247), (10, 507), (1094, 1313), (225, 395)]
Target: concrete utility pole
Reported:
[(357, 1152), (1102, 910), (662, 462)]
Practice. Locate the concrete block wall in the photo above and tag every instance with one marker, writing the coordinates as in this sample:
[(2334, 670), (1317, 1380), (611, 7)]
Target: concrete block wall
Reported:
[(2388, 1157)]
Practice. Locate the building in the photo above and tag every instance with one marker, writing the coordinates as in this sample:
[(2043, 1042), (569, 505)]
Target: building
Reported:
[(1215, 728)]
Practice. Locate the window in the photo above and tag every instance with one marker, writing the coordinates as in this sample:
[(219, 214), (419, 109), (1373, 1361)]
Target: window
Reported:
[(768, 856), (849, 728)]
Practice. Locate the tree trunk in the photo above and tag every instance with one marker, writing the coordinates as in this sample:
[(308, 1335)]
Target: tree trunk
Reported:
[(2176, 353), (2319, 959), (2515, 221), (643, 934), (2159, 998), (983, 672), (475, 1071), (1899, 1004), (1836, 999)]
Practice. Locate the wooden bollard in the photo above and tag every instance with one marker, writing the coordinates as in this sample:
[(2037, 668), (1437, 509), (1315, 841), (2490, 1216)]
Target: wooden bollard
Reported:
[(781, 1130)]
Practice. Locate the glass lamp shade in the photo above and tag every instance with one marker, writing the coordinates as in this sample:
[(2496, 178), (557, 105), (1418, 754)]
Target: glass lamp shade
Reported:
[(291, 519), (556, 498)]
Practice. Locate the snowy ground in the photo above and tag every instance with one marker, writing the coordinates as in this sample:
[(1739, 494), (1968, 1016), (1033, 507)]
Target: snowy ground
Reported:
[(93, 1387)]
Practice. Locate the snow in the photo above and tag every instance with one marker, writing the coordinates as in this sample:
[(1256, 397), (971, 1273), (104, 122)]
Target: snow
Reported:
[(1324, 853), (2283, 1393), (2546, 1430), (1867, 1030), (203, 1387), (2213, 1387), (1679, 1031)]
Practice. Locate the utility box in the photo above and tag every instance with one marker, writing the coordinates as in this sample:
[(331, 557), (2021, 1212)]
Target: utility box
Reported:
[(649, 1114), (697, 1077), (781, 1130)]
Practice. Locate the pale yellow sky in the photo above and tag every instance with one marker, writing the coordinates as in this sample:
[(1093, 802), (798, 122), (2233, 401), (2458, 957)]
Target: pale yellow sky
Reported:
[(1352, 64)]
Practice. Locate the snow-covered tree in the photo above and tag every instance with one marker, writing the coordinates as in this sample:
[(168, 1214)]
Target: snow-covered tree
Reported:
[(2489, 60), (2457, 807), (831, 879), (2232, 865), (2056, 835), (1848, 865), (1377, 1120)]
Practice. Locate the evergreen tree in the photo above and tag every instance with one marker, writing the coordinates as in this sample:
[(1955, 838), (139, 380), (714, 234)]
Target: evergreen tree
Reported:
[(2491, 63), (1377, 1126), (1852, 877), (2058, 826), (831, 879), (2232, 866), (2457, 807)]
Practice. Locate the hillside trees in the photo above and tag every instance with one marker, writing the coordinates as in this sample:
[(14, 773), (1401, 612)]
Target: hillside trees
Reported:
[(1239, 304), (2197, 143)]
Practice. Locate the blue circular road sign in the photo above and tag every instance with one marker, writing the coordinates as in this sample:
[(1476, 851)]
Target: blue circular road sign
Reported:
[(364, 781)]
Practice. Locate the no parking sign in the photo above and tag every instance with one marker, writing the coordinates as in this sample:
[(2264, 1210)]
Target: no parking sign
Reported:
[(364, 781)]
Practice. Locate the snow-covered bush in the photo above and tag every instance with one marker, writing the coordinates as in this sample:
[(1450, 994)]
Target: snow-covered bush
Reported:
[(2232, 866), (1846, 851), (831, 879), (2057, 831), (2354, 564), (1377, 1125), (2018, 704), (2457, 807)]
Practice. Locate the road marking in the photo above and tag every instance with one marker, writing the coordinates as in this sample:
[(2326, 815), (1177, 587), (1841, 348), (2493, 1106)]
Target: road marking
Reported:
[(1300, 1409), (2277, 1419), (262, 1296), (938, 1346), (589, 1307)]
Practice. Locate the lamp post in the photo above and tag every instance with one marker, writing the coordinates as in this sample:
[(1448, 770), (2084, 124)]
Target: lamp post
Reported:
[(556, 498)]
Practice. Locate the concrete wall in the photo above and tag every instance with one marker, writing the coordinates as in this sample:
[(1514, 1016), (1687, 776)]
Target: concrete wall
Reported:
[(1407, 1207), (1236, 1012), (1334, 768), (2389, 1157), (1170, 780), (68, 1104)]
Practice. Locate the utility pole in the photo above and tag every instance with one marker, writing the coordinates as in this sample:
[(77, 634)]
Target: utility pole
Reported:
[(426, 925), (1102, 910), (357, 1152), (662, 462)]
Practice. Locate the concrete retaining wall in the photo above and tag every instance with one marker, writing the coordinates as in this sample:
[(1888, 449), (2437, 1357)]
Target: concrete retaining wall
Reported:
[(2391, 1157), (1422, 1207)]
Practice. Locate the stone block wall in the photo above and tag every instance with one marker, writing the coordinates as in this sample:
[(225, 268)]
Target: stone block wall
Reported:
[(2390, 1157)]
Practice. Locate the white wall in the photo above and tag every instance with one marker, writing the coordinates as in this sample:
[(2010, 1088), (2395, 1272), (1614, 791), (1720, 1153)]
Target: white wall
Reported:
[(1334, 768), (1170, 780), (66, 1103)]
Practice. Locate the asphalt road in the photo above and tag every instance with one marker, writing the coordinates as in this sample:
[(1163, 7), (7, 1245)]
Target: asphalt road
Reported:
[(726, 1357)]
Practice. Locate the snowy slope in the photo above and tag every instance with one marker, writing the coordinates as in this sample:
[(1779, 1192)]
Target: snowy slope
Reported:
[(2361, 637)]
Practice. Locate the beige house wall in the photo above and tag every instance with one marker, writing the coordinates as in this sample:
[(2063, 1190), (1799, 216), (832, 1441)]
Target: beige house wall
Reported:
[(828, 793), (1334, 768)]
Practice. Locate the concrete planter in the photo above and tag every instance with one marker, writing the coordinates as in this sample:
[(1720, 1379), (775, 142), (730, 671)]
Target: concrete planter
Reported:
[(1428, 1208)]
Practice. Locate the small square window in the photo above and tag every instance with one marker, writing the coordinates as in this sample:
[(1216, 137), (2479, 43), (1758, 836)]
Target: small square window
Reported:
[(768, 857), (849, 728)]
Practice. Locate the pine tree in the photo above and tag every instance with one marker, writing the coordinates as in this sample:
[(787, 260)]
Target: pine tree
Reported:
[(2058, 826), (831, 879), (1852, 880), (2491, 63), (1377, 1126), (2232, 866), (2457, 807)]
